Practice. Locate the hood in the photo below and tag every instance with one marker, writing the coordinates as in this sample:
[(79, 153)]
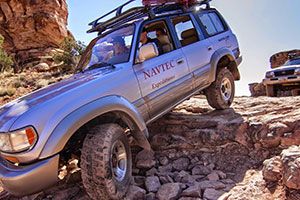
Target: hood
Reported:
[(11, 111)]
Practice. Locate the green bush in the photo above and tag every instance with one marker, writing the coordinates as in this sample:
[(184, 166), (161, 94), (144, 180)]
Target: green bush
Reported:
[(6, 62), (70, 55)]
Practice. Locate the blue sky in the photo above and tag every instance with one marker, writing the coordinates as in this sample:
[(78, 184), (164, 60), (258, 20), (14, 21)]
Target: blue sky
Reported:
[(263, 27)]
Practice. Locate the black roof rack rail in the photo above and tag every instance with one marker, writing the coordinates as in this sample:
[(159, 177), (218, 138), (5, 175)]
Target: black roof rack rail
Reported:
[(118, 12), (137, 13)]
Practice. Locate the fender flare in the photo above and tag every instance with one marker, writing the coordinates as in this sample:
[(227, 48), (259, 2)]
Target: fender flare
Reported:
[(71, 123), (216, 57)]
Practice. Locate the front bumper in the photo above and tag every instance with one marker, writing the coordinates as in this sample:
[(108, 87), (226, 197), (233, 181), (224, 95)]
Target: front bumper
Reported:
[(282, 80), (25, 180)]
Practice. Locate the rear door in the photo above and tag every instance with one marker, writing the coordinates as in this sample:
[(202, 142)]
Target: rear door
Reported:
[(195, 47), (164, 80)]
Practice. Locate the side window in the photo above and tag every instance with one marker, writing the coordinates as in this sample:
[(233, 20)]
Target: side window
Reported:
[(185, 29), (212, 23), (217, 22), (155, 40)]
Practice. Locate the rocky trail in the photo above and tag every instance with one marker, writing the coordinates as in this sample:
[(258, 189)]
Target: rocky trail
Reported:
[(241, 153)]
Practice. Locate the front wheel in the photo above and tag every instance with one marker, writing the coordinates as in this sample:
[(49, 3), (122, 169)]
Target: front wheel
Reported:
[(106, 162), (220, 93)]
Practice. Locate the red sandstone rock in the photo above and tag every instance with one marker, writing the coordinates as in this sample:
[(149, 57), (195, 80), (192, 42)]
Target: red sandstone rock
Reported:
[(33, 28)]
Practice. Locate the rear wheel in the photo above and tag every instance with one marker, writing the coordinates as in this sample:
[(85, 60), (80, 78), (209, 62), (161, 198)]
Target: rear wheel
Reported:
[(106, 162), (220, 94), (270, 91)]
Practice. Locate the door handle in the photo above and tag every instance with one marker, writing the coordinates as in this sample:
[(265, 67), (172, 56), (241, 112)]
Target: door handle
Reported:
[(180, 61)]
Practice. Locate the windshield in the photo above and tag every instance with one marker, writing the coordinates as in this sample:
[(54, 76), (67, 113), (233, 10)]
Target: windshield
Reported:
[(113, 48), (292, 62)]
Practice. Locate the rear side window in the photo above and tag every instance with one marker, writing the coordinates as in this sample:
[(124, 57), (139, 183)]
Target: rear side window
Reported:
[(185, 29), (212, 23)]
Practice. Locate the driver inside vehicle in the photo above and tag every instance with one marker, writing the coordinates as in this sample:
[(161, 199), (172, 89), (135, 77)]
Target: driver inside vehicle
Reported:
[(119, 46), (120, 51)]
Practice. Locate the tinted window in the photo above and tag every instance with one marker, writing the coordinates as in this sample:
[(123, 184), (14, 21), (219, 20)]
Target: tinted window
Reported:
[(185, 29), (208, 24), (212, 23), (217, 22)]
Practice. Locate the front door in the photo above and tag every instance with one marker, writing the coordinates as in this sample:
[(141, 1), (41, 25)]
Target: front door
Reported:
[(165, 79)]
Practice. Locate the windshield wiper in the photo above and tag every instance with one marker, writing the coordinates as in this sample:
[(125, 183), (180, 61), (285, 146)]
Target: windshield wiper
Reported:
[(99, 65)]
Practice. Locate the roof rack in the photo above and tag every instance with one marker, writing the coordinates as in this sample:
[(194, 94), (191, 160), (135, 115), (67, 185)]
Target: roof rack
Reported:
[(150, 11)]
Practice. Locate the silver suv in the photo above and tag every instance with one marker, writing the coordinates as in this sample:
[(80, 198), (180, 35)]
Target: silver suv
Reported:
[(285, 79), (144, 62)]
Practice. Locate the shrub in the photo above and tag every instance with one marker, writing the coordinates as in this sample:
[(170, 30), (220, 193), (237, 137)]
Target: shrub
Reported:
[(11, 91), (16, 83), (6, 62), (42, 83), (71, 52), (3, 91)]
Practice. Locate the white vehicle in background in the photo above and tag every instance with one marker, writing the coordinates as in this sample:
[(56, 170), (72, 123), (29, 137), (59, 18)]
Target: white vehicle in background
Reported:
[(285, 79)]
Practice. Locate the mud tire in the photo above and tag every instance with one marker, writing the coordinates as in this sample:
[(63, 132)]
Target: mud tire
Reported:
[(96, 163), (213, 92)]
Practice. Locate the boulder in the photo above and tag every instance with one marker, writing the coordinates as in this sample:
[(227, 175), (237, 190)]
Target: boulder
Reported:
[(272, 170), (201, 170), (145, 159), (211, 184), (257, 89), (152, 184), (213, 176), (135, 193), (291, 138), (192, 191), (212, 194), (169, 191), (291, 167), (181, 164), (42, 67)]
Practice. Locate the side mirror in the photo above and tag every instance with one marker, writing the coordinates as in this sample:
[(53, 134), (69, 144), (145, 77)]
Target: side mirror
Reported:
[(147, 51)]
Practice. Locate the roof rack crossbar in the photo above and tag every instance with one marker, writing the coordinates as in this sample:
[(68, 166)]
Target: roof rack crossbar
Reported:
[(118, 12), (116, 24), (124, 18)]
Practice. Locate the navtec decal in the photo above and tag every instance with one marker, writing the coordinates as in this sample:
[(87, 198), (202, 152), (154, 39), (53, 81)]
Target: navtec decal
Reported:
[(159, 69)]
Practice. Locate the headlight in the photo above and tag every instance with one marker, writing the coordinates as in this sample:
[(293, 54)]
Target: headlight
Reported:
[(18, 141), (297, 71), (270, 74)]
